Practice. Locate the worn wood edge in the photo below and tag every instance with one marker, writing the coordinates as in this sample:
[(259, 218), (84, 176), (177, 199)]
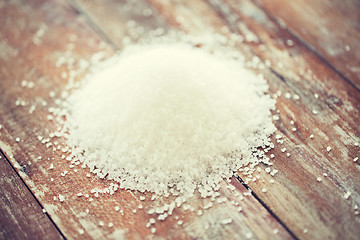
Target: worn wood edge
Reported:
[(23, 207)]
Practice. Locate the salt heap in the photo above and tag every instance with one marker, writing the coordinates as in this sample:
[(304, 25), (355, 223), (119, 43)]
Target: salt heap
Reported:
[(169, 119)]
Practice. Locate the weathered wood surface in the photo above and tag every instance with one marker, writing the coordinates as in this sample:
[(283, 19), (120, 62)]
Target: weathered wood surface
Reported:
[(311, 209), (331, 28), (48, 42), (21, 215), (35, 35)]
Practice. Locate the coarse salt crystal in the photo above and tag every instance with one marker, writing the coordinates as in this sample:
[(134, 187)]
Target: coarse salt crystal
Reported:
[(347, 195)]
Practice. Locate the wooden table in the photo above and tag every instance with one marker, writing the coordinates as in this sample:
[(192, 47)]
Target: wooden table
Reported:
[(309, 48)]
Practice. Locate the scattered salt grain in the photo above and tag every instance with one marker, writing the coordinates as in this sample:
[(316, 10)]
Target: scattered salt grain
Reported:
[(81, 231), (311, 136), (318, 179), (347, 195), (226, 221), (110, 224), (153, 230), (17, 139), (296, 97), (61, 198), (248, 235), (101, 224), (355, 159), (314, 112), (290, 42), (328, 148), (180, 222)]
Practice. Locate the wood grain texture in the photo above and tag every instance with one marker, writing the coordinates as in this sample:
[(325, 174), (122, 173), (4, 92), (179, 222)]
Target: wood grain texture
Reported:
[(21, 215), (49, 43), (330, 28), (311, 209)]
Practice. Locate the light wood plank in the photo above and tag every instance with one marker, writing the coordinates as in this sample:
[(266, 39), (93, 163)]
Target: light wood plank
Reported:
[(331, 28)]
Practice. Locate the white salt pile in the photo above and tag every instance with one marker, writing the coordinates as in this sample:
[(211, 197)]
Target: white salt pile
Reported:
[(170, 119)]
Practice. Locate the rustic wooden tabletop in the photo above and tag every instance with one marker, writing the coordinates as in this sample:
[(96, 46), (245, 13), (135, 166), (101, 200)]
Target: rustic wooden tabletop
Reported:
[(311, 50)]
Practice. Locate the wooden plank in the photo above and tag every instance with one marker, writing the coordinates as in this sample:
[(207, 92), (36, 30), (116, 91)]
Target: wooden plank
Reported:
[(47, 43), (21, 215), (331, 28), (298, 199), (311, 209)]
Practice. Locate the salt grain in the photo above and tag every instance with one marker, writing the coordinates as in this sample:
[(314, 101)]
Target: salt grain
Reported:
[(347, 195), (226, 221)]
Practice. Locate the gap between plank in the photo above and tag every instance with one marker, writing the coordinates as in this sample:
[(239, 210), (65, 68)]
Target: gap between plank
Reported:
[(308, 46), (27, 187), (265, 206), (75, 5)]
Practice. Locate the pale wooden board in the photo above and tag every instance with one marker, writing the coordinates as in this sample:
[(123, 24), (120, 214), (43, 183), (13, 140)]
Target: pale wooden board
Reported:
[(21, 215), (327, 214), (35, 37), (327, 26), (297, 198)]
